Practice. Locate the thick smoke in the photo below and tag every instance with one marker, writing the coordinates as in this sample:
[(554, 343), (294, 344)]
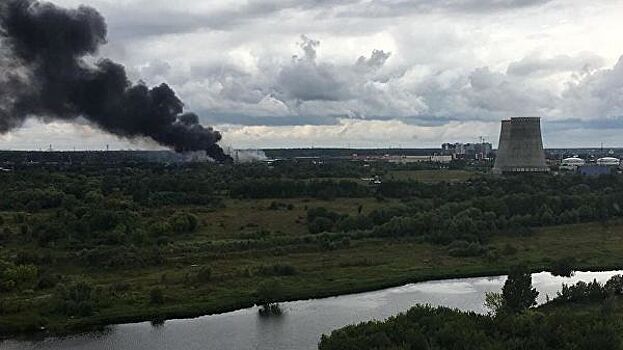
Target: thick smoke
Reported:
[(44, 73)]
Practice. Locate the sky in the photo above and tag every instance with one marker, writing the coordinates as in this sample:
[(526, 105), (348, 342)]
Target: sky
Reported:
[(364, 73)]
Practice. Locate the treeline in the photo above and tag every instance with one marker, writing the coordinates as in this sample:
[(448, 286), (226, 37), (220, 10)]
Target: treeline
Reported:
[(474, 211)]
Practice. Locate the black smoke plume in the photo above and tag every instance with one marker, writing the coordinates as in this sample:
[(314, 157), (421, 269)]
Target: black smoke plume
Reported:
[(44, 73)]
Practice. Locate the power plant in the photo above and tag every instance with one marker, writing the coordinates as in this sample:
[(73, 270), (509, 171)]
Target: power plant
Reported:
[(520, 149)]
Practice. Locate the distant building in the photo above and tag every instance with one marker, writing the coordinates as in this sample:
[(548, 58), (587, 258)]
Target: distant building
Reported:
[(419, 159), (595, 170), (468, 150), (571, 163), (609, 161)]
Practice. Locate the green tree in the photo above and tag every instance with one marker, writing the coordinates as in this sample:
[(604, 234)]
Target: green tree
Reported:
[(518, 292)]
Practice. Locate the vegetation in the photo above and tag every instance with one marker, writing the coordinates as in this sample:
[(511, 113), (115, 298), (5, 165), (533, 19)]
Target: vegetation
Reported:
[(84, 245), (514, 325)]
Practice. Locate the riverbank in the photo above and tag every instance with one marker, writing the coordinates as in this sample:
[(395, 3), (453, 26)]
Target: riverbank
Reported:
[(410, 262)]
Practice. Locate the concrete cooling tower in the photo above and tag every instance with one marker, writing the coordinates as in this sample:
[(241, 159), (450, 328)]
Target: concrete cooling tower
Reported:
[(520, 149)]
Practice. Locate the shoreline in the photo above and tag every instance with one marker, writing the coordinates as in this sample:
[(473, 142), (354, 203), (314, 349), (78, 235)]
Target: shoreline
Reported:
[(191, 311)]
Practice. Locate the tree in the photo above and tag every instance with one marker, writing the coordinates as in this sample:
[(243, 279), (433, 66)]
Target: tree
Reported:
[(518, 292), (494, 303), (268, 292)]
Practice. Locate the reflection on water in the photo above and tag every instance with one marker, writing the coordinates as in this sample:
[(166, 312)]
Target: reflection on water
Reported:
[(303, 321)]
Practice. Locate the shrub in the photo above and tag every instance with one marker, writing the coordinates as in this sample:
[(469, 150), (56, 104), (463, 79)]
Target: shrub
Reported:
[(614, 286), (75, 299), (563, 267), (320, 224), (183, 222)]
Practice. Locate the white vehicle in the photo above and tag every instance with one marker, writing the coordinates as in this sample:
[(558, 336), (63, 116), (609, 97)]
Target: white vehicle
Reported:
[(571, 163)]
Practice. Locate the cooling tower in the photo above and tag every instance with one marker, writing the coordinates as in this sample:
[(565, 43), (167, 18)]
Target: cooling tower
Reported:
[(520, 148)]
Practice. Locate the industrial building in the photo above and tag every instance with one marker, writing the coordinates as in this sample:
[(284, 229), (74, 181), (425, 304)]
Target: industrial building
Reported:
[(572, 163), (609, 161), (478, 151), (520, 149), (595, 170)]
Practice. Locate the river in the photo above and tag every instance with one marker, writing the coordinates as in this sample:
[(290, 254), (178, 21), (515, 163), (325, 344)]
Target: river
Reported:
[(302, 323)]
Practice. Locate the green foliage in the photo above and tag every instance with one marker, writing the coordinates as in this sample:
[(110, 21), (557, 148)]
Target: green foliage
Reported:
[(320, 224), (425, 327), (583, 292), (75, 299), (494, 303), (16, 277), (518, 293), (563, 267), (268, 291), (183, 222)]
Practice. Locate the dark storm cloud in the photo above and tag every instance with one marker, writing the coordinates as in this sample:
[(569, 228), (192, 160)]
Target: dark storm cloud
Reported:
[(47, 46)]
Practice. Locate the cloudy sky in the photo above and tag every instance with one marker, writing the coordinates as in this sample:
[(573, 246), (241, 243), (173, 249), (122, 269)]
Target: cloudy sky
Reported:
[(367, 73)]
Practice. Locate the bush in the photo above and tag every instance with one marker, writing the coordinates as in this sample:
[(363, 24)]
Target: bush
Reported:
[(320, 224), (183, 222), (76, 299), (563, 267), (614, 286)]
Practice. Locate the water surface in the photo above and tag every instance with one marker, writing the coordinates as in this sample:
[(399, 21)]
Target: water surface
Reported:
[(302, 323)]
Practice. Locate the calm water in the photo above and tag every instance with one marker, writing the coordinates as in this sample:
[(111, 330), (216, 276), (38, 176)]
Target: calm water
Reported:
[(303, 321)]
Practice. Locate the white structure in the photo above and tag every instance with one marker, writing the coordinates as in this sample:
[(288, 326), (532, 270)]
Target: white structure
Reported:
[(418, 159), (571, 163), (608, 161)]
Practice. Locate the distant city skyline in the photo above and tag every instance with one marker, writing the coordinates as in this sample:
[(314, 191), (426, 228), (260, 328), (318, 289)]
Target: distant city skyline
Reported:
[(355, 73)]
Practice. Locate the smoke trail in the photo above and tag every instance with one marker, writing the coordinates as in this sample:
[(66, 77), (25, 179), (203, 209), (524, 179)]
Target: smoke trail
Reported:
[(44, 73)]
